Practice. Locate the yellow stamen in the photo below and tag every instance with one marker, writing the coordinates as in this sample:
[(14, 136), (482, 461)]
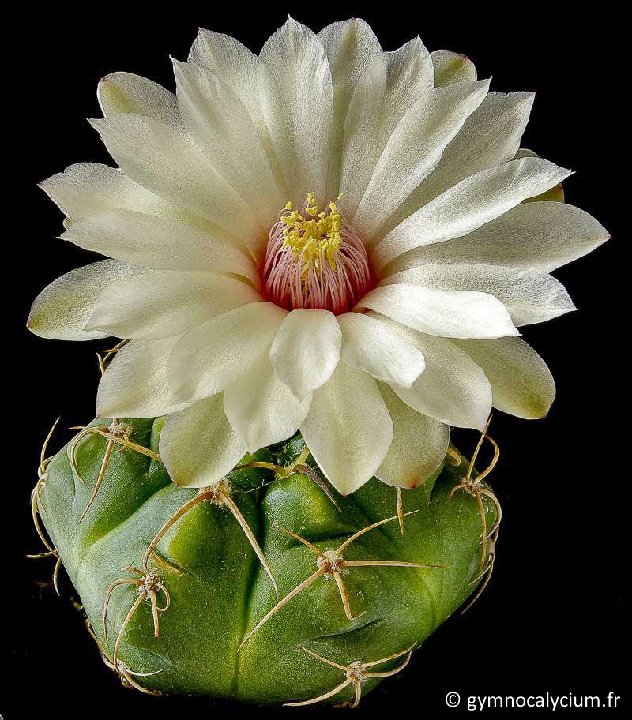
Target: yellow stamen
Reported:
[(312, 236)]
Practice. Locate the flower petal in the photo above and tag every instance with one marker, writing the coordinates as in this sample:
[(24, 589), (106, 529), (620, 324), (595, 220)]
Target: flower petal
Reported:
[(418, 448), (409, 74), (350, 46), (490, 136), (451, 67), (362, 142), (150, 241), (374, 346), (165, 304), (521, 382), (164, 160), (297, 101), (198, 445), (262, 409), (222, 127), (306, 349), (231, 62), (530, 296), (123, 92), (452, 389), (413, 149), (348, 429), (442, 312), (540, 236), (135, 383), (63, 308), (391, 84), (236, 66), (216, 354), (469, 204), (91, 188)]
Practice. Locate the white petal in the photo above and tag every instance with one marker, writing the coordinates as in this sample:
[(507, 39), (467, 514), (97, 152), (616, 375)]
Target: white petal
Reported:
[(530, 296), (521, 382), (452, 389), (236, 66), (350, 46), (306, 349), (91, 188), (348, 429), (374, 346), (232, 63), (413, 149), (409, 74), (63, 308), (297, 101), (164, 304), (123, 92), (469, 204), (490, 136), (418, 448), (222, 127), (198, 445), (362, 137), (218, 353), (442, 312), (392, 83), (451, 67), (135, 383), (165, 161), (262, 409), (157, 242), (540, 236)]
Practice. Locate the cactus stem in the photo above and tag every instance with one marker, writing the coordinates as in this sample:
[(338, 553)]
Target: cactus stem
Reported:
[(298, 466), (318, 480), (230, 504), (284, 601), (218, 494), (148, 586), (357, 672), (35, 511), (124, 672), (36, 499), (331, 563), (102, 470), (117, 433), (40, 485), (478, 490), (127, 677), (486, 575)]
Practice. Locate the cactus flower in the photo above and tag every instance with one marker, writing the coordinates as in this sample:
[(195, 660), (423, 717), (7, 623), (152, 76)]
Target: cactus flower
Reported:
[(318, 261), (326, 237)]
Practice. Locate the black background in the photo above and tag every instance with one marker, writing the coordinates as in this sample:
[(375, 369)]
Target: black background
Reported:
[(554, 616)]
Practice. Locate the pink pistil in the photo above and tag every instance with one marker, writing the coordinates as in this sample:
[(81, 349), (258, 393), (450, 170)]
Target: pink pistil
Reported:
[(291, 282)]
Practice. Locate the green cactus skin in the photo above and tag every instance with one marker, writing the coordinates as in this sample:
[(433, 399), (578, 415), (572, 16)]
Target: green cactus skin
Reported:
[(223, 590)]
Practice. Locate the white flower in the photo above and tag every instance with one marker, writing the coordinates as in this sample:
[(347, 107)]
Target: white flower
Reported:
[(325, 237)]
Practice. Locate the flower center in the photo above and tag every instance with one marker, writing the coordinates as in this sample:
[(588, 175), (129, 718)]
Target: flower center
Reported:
[(315, 260)]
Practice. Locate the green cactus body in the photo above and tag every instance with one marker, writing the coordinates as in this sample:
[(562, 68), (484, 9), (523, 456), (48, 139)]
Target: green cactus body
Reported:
[(222, 590)]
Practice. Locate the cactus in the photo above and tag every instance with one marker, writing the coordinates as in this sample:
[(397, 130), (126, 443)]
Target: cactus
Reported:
[(265, 587)]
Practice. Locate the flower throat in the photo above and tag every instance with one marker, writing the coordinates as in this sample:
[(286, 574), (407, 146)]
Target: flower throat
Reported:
[(315, 260)]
